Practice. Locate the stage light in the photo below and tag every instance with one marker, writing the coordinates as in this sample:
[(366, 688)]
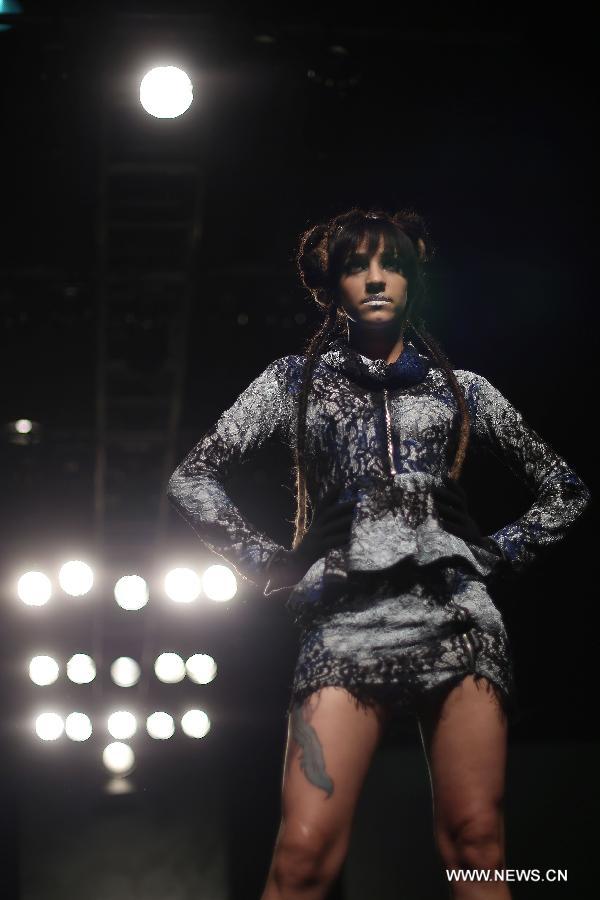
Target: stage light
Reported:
[(23, 432), (131, 592), (11, 7), (34, 588), (122, 725), (118, 758), (160, 725), (169, 668), (195, 723), (182, 585), (219, 583), (125, 672), (78, 726), (49, 726), (22, 426), (76, 578), (201, 668), (119, 786), (166, 92), (81, 669), (43, 670)]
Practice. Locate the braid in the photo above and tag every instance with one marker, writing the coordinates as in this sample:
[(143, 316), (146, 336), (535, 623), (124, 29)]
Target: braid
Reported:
[(314, 348), (435, 351)]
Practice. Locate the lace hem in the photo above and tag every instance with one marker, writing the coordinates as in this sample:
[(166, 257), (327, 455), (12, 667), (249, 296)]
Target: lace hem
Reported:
[(402, 702)]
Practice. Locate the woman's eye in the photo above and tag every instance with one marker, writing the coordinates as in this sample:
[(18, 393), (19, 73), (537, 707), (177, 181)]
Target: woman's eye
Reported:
[(385, 264)]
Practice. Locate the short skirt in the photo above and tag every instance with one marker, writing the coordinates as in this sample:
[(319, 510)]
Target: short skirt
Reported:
[(403, 636)]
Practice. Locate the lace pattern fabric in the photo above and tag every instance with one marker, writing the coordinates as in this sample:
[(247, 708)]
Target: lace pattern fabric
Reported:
[(394, 517), (403, 638), (386, 432)]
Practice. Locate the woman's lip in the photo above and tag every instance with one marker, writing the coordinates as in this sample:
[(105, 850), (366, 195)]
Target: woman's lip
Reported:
[(377, 299)]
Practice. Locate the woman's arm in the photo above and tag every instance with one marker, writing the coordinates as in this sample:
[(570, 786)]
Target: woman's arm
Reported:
[(560, 494), (197, 487)]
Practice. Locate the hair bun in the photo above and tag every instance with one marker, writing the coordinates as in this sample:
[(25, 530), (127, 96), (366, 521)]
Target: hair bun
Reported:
[(312, 258), (416, 228)]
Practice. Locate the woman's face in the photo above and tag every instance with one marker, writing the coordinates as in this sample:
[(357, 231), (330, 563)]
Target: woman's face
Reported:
[(379, 280)]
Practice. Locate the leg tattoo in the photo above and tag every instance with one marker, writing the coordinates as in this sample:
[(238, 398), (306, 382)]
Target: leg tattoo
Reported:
[(312, 761)]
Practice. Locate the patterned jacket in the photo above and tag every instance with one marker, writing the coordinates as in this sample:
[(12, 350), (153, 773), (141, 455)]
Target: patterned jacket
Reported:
[(387, 432)]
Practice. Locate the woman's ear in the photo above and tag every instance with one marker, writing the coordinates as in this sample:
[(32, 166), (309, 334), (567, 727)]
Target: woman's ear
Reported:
[(422, 248), (336, 298)]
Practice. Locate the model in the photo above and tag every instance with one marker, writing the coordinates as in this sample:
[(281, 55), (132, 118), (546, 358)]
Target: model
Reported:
[(389, 581)]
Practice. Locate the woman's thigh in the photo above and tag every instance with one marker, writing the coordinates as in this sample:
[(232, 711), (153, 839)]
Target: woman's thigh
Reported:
[(330, 744), (464, 736)]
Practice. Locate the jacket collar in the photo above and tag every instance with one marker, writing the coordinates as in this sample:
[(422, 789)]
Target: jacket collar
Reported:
[(411, 367)]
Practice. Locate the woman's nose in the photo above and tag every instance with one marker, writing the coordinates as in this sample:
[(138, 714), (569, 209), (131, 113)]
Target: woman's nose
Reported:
[(375, 282), (375, 275)]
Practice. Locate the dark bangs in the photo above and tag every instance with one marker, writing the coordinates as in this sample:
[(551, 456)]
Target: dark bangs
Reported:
[(348, 237)]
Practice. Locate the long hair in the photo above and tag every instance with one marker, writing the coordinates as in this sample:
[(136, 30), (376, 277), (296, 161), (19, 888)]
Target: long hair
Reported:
[(321, 259)]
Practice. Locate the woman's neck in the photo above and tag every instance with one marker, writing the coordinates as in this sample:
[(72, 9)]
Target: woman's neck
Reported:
[(387, 346)]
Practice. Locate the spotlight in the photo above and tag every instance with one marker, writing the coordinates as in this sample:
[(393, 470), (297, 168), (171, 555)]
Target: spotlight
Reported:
[(22, 432), (118, 758), (49, 726), (131, 592), (43, 670), (34, 588), (182, 585), (195, 723), (160, 725), (9, 6), (78, 726), (76, 578), (81, 669), (118, 787), (122, 725), (169, 668), (219, 583), (166, 92), (125, 672), (201, 668)]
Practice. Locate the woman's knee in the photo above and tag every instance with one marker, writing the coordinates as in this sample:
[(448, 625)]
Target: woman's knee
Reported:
[(304, 857), (475, 840)]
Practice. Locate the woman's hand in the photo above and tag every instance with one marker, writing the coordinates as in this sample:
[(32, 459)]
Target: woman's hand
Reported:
[(451, 503), (329, 527)]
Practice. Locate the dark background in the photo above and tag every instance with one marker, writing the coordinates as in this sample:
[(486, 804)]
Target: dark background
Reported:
[(147, 276)]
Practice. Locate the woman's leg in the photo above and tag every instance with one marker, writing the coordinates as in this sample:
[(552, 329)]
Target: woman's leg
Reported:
[(330, 744), (464, 737)]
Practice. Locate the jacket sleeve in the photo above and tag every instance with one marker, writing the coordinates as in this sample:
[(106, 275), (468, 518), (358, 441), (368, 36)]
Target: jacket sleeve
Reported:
[(197, 486), (560, 494)]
